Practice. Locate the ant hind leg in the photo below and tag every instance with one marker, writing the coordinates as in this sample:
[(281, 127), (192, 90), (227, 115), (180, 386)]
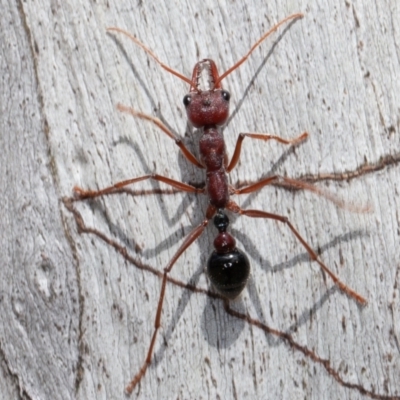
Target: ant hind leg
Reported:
[(232, 206)]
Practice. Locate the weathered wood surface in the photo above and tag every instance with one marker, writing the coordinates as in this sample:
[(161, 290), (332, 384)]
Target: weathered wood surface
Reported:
[(76, 316)]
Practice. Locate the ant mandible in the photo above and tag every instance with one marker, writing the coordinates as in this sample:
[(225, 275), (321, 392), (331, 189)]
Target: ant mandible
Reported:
[(207, 109)]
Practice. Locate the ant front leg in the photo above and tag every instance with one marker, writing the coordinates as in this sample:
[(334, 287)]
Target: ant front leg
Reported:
[(186, 152), (190, 238), (263, 214), (260, 136)]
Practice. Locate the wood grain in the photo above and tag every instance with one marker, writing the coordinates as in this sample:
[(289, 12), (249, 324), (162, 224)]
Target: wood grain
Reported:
[(77, 312)]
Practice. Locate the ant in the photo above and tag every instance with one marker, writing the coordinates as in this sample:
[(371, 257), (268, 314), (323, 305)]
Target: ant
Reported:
[(207, 109)]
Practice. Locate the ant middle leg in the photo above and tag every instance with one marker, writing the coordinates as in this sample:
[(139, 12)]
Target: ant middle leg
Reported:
[(232, 206), (260, 136), (297, 184), (88, 194)]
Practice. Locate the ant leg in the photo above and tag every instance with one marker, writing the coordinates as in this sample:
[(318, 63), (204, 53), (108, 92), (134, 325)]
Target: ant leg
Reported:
[(260, 136), (190, 238), (186, 152), (296, 184), (263, 214), (86, 194), (257, 185)]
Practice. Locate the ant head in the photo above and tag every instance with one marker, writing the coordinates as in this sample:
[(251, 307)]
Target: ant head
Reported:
[(207, 108), (207, 103)]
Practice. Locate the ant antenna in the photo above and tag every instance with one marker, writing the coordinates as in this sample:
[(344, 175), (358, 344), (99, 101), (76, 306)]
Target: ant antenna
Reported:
[(259, 41), (151, 54), (226, 73)]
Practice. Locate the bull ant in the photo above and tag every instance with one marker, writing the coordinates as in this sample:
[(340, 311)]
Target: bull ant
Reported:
[(207, 109)]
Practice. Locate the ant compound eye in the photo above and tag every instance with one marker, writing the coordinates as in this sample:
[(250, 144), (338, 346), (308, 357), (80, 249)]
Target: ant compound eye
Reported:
[(226, 95), (186, 100)]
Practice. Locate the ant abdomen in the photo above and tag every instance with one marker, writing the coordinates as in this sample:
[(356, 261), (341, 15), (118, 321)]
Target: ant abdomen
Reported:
[(228, 272), (228, 267)]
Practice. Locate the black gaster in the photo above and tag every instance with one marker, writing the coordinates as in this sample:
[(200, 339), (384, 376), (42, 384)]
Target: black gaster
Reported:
[(228, 268)]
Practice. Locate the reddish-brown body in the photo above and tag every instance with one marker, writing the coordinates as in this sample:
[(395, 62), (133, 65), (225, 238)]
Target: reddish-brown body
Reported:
[(208, 110), (213, 155)]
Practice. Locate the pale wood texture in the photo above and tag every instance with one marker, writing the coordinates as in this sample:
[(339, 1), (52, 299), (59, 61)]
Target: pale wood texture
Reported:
[(76, 316)]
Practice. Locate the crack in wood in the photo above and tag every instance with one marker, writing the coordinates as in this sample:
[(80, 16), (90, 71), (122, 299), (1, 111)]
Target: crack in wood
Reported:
[(366, 168), (389, 160), (23, 394)]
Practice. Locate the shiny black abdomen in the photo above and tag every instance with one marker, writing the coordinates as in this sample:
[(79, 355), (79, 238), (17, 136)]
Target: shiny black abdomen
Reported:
[(228, 272)]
